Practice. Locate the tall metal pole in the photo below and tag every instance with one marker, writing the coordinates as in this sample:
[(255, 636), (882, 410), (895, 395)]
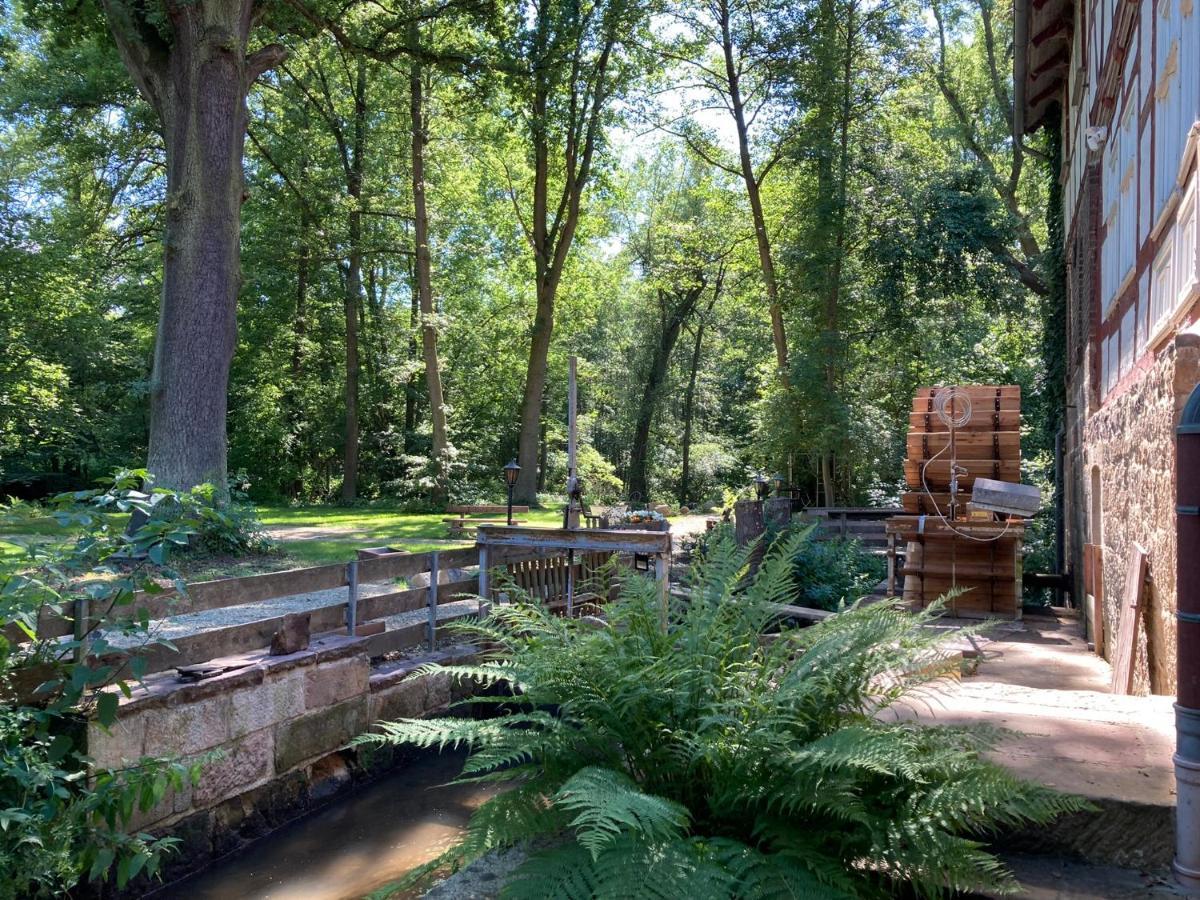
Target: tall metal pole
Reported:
[(572, 515), (1187, 706), (510, 496)]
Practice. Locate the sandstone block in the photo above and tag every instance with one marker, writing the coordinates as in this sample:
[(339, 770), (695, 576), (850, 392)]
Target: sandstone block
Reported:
[(280, 697), (245, 762), (292, 636), (124, 740), (190, 728), (437, 691), (319, 732), (405, 700), (332, 682)]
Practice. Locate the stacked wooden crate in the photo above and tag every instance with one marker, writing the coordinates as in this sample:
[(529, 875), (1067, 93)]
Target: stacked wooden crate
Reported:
[(949, 549)]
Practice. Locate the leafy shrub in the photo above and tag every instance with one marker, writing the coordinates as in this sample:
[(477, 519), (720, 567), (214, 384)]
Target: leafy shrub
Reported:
[(702, 760), (828, 573), (62, 820)]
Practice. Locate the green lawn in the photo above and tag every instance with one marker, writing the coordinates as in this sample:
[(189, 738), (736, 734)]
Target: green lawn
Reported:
[(325, 534), (317, 534)]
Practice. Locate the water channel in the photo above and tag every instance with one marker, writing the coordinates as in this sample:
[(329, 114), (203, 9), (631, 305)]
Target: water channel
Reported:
[(352, 847)]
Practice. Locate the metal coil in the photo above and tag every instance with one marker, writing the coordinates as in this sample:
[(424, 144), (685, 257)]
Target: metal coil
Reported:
[(953, 407)]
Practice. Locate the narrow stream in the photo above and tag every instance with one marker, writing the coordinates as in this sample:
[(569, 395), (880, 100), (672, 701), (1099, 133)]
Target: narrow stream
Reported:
[(358, 844)]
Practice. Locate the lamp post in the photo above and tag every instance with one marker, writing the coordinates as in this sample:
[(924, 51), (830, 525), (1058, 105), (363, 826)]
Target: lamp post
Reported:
[(778, 481), (762, 486), (511, 471)]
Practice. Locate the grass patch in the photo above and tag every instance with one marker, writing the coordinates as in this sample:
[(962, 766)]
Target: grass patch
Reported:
[(318, 534)]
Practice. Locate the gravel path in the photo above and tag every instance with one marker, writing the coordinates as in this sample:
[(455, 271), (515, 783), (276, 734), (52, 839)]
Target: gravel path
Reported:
[(186, 624)]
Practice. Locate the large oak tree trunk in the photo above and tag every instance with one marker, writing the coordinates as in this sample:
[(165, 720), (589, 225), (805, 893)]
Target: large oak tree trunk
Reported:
[(429, 336), (197, 82)]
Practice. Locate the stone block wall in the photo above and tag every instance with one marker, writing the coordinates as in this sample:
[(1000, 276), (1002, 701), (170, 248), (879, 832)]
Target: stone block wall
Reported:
[(1131, 441), (279, 726)]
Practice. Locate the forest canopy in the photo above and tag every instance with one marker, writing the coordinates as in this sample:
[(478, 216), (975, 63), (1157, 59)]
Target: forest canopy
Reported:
[(344, 252)]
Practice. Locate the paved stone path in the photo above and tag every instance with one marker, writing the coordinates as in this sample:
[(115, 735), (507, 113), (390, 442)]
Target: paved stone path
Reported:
[(1038, 679)]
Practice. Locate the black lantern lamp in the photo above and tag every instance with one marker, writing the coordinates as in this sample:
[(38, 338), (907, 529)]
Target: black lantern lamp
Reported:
[(511, 471), (777, 482), (762, 486)]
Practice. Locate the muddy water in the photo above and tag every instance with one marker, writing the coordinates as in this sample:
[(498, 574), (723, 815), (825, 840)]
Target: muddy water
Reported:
[(356, 845)]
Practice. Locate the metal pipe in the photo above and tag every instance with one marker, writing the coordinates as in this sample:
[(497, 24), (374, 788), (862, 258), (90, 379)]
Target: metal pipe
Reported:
[(1187, 706), (432, 601), (352, 597)]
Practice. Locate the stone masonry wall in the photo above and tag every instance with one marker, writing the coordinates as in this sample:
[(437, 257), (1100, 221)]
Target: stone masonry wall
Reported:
[(280, 725), (1131, 439)]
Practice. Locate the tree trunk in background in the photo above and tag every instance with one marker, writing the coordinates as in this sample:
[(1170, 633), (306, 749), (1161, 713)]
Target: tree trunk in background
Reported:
[(674, 317), (429, 336), (196, 80), (762, 237), (354, 185), (689, 406)]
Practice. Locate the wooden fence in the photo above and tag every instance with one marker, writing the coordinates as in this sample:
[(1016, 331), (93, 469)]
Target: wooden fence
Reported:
[(346, 613)]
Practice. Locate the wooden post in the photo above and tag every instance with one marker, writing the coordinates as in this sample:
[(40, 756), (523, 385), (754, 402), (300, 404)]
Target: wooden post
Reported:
[(432, 601), (351, 597), (80, 625), (573, 509), (661, 574), (891, 558), (777, 512), (747, 521), (485, 581)]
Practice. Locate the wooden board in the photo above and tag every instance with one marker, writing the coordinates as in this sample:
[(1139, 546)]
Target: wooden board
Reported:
[(937, 473), (1005, 420), (977, 444), (1098, 632), (974, 391), (1125, 653)]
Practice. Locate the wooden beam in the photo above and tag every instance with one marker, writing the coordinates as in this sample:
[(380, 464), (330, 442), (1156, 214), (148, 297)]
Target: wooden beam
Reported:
[(563, 539)]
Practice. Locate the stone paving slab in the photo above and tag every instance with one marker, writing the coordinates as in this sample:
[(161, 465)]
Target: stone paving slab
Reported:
[(1038, 680)]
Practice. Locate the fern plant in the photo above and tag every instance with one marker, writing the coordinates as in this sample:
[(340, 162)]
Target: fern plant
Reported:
[(713, 760)]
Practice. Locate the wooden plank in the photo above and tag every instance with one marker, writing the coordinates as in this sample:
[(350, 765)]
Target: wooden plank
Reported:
[(1099, 635), (978, 444), (495, 509), (919, 502), (255, 635), (1125, 654), (1005, 420), (937, 472), (227, 592), (562, 539), (974, 391)]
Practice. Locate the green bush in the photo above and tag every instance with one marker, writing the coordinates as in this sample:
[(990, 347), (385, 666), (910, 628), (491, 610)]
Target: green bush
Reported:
[(828, 573), (704, 761), (61, 819)]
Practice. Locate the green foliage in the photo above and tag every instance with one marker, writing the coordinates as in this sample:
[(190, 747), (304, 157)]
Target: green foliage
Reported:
[(704, 761), (830, 573), (62, 820)]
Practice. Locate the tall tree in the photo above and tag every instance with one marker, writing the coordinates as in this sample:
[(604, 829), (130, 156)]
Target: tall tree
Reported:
[(191, 62), (749, 77), (422, 268), (568, 64)]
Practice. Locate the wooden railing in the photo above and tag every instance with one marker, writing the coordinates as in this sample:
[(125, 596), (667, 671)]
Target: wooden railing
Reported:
[(347, 614), (343, 614)]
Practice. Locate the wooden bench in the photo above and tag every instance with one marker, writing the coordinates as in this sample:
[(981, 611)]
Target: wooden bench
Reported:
[(544, 579), (485, 509)]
